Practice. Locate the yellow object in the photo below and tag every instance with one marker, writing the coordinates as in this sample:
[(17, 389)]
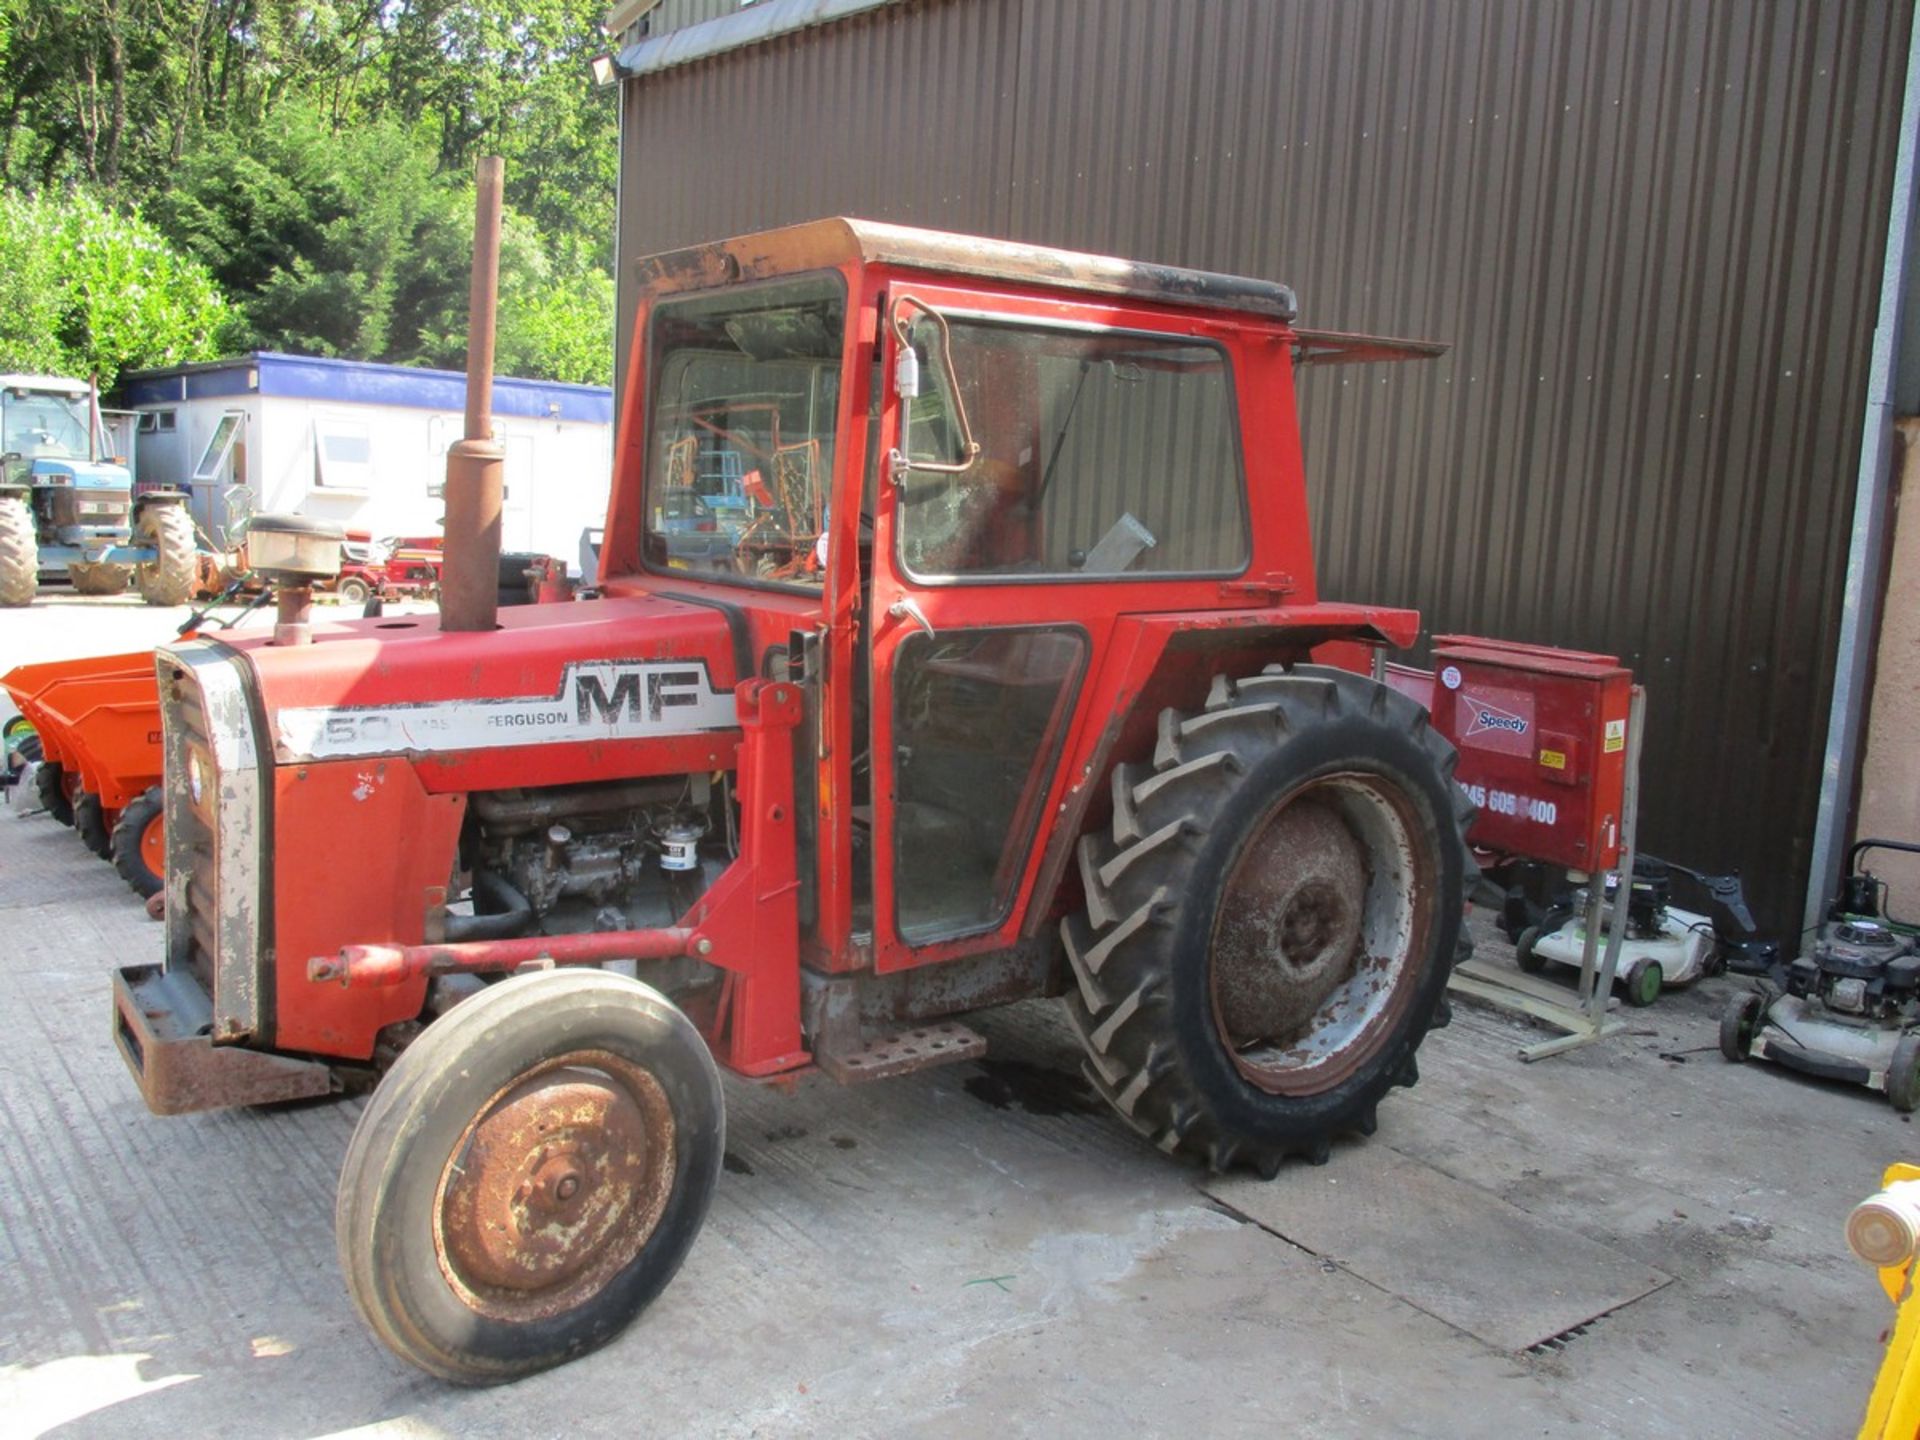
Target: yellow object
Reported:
[(1894, 1407), (1554, 759)]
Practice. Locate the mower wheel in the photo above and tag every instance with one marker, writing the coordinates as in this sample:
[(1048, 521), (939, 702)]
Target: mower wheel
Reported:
[(91, 823), (530, 1174), (354, 591), (1271, 917), (1903, 1075), (139, 844), (19, 553), (1645, 979), (1525, 955), (1738, 1022), (56, 796), (168, 578)]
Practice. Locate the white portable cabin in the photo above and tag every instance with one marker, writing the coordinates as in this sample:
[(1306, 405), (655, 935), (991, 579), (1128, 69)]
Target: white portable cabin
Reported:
[(365, 445)]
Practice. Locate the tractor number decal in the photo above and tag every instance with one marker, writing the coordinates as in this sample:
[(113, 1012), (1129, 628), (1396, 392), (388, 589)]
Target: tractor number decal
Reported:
[(597, 700)]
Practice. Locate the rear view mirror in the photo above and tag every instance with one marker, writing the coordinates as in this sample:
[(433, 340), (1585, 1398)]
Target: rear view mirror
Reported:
[(907, 388)]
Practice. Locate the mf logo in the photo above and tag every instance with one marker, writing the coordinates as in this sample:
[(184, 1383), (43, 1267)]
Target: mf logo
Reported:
[(1485, 718), (636, 695)]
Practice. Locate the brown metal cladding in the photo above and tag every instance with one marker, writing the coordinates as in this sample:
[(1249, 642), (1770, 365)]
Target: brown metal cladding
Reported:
[(1652, 232)]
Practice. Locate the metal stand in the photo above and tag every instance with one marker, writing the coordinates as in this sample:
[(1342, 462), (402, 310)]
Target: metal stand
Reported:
[(1585, 1020)]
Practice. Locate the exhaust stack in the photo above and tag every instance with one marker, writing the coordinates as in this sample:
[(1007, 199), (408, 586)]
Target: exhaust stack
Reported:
[(470, 576)]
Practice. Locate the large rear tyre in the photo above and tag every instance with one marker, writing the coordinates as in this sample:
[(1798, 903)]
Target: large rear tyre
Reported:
[(19, 553), (139, 844), (168, 578), (98, 579), (90, 822), (530, 1174), (1272, 918)]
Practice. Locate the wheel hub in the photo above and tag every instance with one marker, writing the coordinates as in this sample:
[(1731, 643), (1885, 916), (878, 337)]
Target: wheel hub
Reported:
[(1314, 945), (556, 1186), (1295, 898)]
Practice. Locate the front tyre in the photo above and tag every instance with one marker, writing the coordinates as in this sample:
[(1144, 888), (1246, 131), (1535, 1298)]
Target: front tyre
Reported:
[(1272, 918), (139, 844), (529, 1174), (19, 553), (167, 579)]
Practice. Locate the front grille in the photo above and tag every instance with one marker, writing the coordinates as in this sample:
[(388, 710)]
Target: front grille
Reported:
[(213, 814), (90, 507)]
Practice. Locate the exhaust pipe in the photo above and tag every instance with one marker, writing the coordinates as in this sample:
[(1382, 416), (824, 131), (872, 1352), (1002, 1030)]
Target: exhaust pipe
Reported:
[(470, 574)]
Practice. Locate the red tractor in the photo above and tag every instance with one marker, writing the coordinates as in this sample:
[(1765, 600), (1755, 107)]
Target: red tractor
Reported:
[(1040, 700)]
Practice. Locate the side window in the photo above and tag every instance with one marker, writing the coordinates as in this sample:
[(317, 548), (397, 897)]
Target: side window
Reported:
[(1102, 455)]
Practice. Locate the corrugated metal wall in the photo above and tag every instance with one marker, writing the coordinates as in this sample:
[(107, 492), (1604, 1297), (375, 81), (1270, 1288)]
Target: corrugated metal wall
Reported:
[(1652, 231)]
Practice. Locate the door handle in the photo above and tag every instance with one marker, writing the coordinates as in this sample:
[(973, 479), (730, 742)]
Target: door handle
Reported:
[(907, 608)]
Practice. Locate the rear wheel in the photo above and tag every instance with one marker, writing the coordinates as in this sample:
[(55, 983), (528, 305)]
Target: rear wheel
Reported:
[(139, 844), (1644, 981), (98, 579), (168, 578), (1272, 918), (56, 795), (19, 553), (1738, 1022), (1903, 1075), (1525, 955), (530, 1174), (91, 823), (354, 591)]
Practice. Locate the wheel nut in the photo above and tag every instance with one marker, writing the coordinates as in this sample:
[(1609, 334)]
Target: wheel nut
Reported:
[(568, 1187)]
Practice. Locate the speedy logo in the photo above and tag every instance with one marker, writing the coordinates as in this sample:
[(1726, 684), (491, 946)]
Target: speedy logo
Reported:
[(1487, 717), (597, 700)]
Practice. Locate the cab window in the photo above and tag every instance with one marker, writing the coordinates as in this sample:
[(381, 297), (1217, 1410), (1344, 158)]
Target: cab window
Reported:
[(746, 390), (1103, 455)]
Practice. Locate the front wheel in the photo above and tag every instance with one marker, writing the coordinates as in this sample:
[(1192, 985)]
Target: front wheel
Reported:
[(93, 824), (529, 1174), (168, 578), (139, 844), (19, 553), (1645, 979), (354, 591), (56, 792), (1738, 1024), (1271, 918)]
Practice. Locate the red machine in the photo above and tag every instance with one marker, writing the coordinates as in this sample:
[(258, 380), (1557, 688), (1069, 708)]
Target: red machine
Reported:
[(1542, 739), (1020, 699)]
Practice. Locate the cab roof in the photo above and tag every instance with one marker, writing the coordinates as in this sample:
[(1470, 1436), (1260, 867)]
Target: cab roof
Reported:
[(820, 244)]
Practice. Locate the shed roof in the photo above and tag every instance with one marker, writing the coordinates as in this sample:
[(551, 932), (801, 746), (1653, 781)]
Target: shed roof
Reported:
[(360, 382)]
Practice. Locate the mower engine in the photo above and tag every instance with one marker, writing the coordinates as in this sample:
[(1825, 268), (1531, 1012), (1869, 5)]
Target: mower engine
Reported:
[(1860, 968)]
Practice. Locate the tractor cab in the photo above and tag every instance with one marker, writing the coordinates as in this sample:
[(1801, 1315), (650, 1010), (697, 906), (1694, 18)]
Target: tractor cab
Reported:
[(961, 464)]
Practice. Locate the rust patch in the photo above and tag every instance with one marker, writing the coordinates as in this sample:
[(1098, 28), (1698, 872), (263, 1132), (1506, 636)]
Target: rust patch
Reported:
[(555, 1187)]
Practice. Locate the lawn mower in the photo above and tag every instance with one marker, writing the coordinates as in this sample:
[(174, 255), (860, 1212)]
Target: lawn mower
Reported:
[(1848, 1009)]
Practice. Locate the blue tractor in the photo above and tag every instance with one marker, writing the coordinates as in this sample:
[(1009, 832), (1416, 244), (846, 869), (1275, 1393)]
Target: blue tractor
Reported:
[(66, 510)]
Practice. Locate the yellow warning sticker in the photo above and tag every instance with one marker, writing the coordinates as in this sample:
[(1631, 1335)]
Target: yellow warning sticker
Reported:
[(1553, 759), (1616, 736)]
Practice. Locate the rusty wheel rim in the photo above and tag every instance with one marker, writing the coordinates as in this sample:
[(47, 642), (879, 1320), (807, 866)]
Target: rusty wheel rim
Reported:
[(1322, 920), (153, 845), (555, 1186)]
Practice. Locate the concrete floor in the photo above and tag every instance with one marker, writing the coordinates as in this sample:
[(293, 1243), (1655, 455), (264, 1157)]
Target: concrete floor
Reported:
[(969, 1250)]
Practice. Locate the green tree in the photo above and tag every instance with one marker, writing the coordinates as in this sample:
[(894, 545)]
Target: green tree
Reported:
[(89, 291)]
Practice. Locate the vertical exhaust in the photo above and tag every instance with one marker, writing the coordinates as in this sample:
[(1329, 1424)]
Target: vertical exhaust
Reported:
[(470, 575)]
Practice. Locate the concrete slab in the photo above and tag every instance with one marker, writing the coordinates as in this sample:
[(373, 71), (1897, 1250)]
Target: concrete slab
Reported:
[(972, 1250), (1503, 1276)]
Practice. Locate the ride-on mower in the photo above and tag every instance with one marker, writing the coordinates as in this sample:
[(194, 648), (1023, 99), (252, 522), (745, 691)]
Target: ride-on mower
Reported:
[(1033, 695)]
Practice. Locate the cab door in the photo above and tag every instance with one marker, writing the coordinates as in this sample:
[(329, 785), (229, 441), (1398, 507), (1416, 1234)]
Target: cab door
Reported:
[(975, 685)]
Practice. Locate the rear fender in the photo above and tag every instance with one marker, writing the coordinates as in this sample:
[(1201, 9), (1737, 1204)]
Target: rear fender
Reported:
[(1157, 661)]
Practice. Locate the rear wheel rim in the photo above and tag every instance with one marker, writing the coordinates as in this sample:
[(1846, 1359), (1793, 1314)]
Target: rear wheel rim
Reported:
[(1324, 919), (555, 1186)]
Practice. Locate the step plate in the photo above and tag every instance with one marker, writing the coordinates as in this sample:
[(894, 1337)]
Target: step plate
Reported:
[(904, 1051)]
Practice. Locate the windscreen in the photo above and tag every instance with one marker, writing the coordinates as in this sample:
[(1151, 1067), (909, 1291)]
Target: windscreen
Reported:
[(745, 392)]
